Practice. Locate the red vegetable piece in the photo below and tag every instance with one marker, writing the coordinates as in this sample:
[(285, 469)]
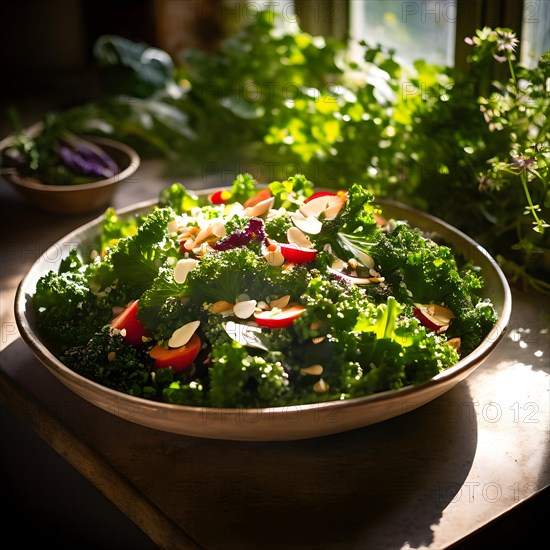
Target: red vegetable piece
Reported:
[(296, 254), (220, 197), (262, 195), (128, 320), (434, 317), (177, 358), (280, 319), (320, 194)]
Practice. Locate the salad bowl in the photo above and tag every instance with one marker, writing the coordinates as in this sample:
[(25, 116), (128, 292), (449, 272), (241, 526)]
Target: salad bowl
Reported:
[(272, 423)]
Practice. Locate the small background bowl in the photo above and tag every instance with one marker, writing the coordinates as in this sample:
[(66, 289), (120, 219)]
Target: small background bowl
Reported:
[(82, 197)]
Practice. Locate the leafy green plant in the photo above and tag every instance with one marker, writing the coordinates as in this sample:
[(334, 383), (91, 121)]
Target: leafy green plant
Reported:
[(471, 148)]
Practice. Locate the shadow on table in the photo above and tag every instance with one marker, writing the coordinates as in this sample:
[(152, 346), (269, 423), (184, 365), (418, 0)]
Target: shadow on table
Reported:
[(377, 487)]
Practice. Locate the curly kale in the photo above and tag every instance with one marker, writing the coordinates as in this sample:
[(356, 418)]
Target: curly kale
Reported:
[(225, 275), (109, 360), (235, 223), (163, 296), (332, 306), (137, 259), (67, 311), (277, 226), (422, 271), (181, 393), (240, 380), (354, 229), (291, 192)]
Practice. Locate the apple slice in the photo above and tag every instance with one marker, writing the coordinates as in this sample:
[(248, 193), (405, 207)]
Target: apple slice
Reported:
[(297, 254), (434, 317), (276, 318)]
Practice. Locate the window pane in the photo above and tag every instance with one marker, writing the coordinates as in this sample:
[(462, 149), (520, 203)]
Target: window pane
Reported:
[(535, 34), (416, 29)]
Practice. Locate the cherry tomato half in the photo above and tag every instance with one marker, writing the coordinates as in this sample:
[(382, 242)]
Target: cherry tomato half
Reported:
[(296, 254), (220, 197), (128, 320), (177, 358), (283, 318)]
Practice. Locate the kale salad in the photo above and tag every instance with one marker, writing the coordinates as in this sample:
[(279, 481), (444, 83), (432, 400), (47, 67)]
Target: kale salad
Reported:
[(261, 296)]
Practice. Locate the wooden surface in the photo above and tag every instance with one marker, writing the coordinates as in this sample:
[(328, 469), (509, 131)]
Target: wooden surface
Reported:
[(426, 479)]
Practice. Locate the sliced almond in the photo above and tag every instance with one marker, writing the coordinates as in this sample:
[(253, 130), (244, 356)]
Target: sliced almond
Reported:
[(310, 225), (273, 256), (202, 236), (183, 268), (182, 335), (188, 232), (328, 205), (338, 264), (280, 303), (365, 259), (189, 244), (221, 306), (218, 229), (244, 310), (314, 370), (318, 339), (260, 208), (172, 226), (320, 386), (298, 237), (454, 343)]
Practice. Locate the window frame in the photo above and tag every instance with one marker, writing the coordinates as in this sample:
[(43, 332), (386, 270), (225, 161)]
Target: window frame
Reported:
[(331, 18)]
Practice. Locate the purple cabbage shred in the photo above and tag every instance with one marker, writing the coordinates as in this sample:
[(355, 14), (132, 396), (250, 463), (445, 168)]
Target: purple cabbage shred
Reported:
[(254, 231)]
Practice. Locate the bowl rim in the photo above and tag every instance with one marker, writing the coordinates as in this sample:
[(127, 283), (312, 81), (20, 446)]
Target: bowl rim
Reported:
[(26, 182), (455, 373)]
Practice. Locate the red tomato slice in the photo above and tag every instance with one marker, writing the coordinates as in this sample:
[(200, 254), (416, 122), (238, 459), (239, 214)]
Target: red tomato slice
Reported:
[(283, 318), (296, 254), (177, 358), (262, 195), (319, 194), (220, 197), (128, 320)]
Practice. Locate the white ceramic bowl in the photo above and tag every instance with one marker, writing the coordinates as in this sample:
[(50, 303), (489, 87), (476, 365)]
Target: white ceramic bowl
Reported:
[(274, 423)]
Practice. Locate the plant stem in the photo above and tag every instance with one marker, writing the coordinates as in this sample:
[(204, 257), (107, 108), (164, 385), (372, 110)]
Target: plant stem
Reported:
[(523, 177), (511, 67)]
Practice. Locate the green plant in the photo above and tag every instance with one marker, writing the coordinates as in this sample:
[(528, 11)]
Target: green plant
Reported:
[(471, 148)]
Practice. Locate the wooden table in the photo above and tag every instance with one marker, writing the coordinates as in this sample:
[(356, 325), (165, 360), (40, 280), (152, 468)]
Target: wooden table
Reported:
[(426, 479)]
